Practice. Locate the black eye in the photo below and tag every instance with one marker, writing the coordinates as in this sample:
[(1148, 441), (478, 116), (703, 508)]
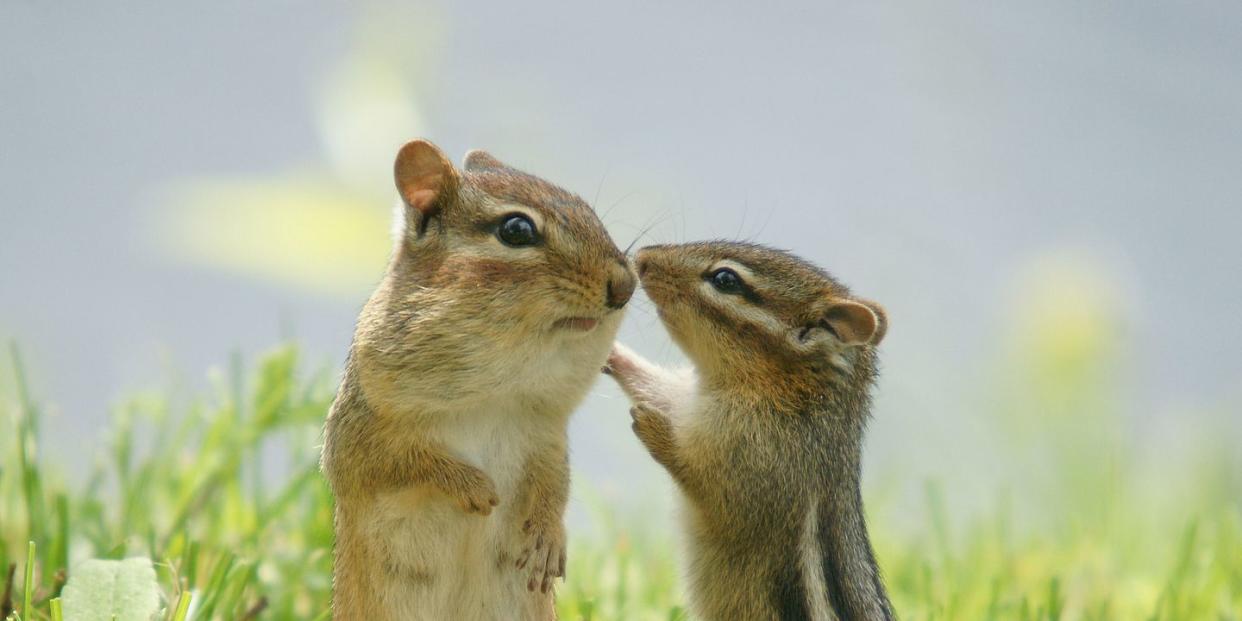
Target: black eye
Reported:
[(517, 230), (726, 280)]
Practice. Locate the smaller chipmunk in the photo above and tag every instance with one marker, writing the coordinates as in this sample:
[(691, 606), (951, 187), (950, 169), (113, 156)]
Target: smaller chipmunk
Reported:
[(764, 437)]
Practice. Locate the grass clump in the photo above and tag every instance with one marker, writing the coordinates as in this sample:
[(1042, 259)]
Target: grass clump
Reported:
[(223, 494)]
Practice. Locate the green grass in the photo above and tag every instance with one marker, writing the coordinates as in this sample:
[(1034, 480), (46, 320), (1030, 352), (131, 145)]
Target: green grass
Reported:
[(186, 486)]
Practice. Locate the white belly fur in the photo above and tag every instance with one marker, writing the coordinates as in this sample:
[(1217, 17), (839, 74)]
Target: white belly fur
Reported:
[(425, 531), (427, 534)]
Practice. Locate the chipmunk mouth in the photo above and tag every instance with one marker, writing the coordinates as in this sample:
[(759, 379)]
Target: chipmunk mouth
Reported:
[(576, 324)]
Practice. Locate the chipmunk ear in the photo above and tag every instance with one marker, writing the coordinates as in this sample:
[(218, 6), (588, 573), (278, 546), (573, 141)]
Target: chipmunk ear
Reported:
[(425, 178), (881, 324), (479, 159), (855, 322)]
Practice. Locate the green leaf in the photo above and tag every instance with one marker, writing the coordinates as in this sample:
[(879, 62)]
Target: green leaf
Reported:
[(101, 590)]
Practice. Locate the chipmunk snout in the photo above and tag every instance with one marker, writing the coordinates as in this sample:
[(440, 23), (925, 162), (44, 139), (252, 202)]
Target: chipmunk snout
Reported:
[(642, 261), (621, 283), (644, 258)]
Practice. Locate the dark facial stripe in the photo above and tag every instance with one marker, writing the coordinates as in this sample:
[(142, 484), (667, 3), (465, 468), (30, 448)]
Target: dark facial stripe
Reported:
[(748, 292), (750, 295), (745, 331)]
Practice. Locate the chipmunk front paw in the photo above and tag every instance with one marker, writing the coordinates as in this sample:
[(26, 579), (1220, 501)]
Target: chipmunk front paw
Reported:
[(626, 367), (619, 362), (475, 492), (543, 555), (654, 430)]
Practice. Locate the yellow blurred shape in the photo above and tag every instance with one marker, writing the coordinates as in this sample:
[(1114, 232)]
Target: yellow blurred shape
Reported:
[(325, 229), (366, 111), (300, 231), (1066, 317)]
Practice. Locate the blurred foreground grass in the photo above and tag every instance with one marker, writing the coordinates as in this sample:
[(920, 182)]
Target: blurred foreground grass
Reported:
[(225, 496)]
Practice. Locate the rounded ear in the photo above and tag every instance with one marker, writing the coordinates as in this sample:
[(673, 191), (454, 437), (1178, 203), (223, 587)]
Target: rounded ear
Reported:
[(854, 323), (479, 159), (881, 326), (424, 177)]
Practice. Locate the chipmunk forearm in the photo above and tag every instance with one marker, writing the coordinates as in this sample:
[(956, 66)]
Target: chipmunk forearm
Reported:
[(646, 383), (389, 467), (656, 394), (543, 493), (544, 490), (690, 481), (431, 465)]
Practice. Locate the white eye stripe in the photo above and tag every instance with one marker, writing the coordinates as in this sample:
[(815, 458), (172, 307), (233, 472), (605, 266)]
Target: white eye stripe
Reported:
[(494, 250), (502, 209), (741, 310), (741, 270)]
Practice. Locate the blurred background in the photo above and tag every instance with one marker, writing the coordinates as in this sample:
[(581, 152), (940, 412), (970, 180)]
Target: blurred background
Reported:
[(1045, 197)]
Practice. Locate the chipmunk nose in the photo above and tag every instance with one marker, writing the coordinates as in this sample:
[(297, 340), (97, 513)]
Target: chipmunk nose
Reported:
[(642, 260), (620, 286)]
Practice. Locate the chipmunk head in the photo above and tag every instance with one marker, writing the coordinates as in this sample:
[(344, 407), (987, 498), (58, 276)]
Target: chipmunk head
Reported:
[(527, 251), (754, 314), (499, 281)]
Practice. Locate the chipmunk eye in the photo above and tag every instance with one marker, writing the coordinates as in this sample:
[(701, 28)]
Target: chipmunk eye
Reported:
[(517, 230), (726, 280)]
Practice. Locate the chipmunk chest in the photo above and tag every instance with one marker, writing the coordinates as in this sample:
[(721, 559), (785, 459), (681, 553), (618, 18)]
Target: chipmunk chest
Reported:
[(425, 533), (497, 438)]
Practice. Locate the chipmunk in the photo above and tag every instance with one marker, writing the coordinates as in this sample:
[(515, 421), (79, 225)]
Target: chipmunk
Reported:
[(764, 436), (446, 445)]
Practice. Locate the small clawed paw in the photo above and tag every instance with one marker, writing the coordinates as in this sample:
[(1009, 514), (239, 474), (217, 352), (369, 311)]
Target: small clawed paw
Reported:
[(652, 428), (646, 418), (543, 556), (479, 496), (618, 364)]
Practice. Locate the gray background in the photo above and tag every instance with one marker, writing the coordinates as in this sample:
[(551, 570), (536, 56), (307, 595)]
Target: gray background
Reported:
[(928, 155)]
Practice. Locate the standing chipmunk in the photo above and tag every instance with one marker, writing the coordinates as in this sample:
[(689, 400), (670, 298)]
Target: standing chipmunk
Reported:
[(446, 446), (764, 437)]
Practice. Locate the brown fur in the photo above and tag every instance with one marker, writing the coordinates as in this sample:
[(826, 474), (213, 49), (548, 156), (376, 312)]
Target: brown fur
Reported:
[(765, 444), (446, 446)]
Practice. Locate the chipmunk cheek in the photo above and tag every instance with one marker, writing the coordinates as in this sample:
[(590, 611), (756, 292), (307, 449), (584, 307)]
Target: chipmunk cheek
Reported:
[(475, 272)]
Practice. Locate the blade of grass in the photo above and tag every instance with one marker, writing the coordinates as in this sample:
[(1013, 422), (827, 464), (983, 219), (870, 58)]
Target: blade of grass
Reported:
[(189, 566), (58, 557), (183, 606), (212, 593), (28, 587), (6, 600), (27, 450)]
